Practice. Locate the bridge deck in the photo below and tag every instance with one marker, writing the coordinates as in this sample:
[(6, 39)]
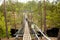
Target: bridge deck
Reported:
[(26, 35)]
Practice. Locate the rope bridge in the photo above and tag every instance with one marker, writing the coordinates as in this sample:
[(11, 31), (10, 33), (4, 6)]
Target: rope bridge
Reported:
[(26, 34)]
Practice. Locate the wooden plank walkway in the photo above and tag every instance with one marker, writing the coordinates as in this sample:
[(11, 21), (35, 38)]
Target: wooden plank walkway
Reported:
[(26, 35)]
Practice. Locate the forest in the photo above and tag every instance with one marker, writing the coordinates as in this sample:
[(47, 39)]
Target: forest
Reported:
[(14, 14)]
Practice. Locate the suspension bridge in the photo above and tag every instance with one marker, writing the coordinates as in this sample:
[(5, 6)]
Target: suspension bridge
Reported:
[(26, 32)]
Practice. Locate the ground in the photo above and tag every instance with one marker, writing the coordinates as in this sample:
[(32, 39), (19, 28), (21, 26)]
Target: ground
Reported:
[(52, 38)]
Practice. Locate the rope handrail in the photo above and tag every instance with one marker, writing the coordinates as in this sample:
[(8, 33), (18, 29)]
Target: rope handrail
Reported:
[(18, 31), (17, 34), (42, 32), (35, 32)]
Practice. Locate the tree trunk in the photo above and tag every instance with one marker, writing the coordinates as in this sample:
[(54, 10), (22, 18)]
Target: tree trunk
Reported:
[(5, 16), (45, 28)]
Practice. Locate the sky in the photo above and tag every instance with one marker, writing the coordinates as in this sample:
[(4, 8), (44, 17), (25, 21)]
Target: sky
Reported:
[(1, 2), (30, 0), (24, 1)]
